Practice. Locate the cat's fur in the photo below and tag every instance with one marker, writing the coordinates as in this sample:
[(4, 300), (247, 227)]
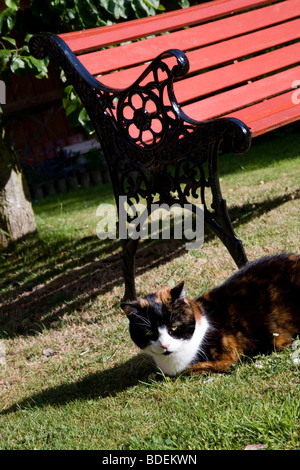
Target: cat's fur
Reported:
[(256, 311)]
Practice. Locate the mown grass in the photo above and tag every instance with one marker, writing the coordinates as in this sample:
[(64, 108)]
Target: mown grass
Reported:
[(61, 290)]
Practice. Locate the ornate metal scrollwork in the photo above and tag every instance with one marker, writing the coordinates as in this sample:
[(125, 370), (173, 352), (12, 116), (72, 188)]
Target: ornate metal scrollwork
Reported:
[(142, 114), (141, 117), (152, 148)]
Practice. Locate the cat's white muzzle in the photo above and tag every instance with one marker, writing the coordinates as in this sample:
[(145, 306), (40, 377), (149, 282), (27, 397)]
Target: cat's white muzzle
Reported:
[(173, 355)]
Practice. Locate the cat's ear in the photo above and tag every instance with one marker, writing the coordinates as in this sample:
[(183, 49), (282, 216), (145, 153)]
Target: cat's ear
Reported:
[(178, 292), (130, 307)]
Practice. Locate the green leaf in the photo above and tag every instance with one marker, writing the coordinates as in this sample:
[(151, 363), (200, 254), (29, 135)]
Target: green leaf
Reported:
[(18, 65), (10, 40), (142, 8), (62, 76), (120, 10), (66, 95), (88, 12), (38, 67), (13, 4), (75, 112), (153, 3), (5, 55), (107, 5), (7, 21), (70, 15), (184, 3), (27, 37), (85, 121), (72, 104)]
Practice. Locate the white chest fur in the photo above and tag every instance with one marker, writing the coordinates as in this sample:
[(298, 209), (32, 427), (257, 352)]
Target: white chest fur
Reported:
[(173, 355)]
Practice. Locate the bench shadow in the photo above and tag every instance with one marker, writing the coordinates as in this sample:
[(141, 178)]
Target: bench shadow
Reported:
[(44, 299), (245, 213), (98, 385), (47, 297)]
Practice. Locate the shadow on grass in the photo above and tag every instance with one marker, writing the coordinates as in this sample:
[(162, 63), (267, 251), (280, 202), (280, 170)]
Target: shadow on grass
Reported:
[(60, 284), (99, 385), (249, 211)]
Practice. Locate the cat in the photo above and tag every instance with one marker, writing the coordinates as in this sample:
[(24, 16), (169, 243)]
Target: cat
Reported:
[(256, 311)]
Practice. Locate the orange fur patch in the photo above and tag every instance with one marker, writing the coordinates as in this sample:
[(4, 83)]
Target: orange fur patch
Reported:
[(197, 309), (164, 296), (144, 303)]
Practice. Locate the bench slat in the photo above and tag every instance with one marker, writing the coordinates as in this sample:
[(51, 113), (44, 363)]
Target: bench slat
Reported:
[(220, 53), (228, 102), (267, 107), (135, 53), (82, 41), (269, 115), (195, 87)]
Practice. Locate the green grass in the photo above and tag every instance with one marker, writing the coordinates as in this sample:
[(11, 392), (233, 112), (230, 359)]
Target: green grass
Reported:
[(61, 289)]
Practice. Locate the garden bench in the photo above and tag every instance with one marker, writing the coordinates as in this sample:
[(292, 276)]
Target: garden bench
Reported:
[(177, 89)]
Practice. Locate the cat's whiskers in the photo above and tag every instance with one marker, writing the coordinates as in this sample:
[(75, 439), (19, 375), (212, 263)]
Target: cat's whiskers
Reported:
[(142, 321)]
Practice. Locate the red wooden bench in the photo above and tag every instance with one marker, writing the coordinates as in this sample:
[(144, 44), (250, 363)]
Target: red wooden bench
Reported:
[(203, 79)]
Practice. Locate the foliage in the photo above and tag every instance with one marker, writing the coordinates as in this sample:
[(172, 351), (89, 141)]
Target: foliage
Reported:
[(74, 109), (14, 59), (60, 16)]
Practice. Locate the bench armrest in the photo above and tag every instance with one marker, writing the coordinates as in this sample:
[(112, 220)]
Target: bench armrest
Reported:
[(159, 103)]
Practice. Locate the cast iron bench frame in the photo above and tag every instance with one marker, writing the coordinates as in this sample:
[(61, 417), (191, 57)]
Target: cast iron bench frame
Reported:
[(169, 160)]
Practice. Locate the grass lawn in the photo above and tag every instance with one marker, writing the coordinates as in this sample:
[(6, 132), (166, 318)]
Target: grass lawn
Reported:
[(72, 378)]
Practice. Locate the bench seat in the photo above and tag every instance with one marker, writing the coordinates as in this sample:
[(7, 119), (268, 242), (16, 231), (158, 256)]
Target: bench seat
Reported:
[(243, 48)]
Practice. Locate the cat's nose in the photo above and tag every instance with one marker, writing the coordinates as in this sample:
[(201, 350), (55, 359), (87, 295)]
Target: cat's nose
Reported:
[(165, 346)]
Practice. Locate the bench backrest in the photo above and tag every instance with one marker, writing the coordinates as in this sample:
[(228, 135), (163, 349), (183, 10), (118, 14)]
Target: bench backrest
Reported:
[(244, 57)]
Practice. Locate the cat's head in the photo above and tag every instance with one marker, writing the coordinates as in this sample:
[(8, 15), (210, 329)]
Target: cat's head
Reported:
[(159, 322)]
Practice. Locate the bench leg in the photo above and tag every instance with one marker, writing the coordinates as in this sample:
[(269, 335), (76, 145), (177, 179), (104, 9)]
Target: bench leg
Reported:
[(224, 230), (226, 234), (129, 247)]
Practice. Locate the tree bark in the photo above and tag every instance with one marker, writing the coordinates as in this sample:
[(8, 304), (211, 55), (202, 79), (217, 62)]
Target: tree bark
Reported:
[(16, 213)]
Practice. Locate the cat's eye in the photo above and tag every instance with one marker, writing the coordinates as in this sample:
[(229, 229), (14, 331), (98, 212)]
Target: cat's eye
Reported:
[(174, 328), (149, 333)]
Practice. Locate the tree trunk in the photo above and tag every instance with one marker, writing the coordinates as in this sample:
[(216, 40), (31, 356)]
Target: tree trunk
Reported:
[(16, 214)]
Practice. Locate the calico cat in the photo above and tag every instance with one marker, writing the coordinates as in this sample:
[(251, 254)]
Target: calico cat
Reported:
[(256, 311)]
